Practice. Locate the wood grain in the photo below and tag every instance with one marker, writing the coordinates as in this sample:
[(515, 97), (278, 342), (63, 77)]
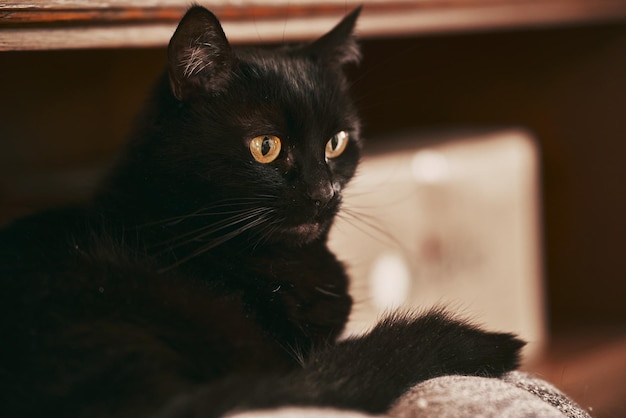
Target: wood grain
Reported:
[(76, 24)]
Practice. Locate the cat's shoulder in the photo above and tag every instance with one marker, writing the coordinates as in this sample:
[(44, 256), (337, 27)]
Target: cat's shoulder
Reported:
[(53, 237), (41, 229)]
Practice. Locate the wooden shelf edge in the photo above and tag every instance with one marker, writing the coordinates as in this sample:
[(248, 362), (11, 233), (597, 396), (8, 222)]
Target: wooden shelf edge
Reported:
[(35, 29)]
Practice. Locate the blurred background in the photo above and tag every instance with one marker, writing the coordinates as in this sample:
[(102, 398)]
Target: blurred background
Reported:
[(465, 84)]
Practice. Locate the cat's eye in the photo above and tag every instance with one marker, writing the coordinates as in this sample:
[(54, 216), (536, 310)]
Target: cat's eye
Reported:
[(265, 148), (337, 144)]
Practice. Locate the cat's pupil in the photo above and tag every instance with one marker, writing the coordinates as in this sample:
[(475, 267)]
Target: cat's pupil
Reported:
[(266, 145), (334, 141)]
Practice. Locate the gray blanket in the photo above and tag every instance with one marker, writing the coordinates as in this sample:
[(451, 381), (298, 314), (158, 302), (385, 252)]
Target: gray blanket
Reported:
[(515, 395)]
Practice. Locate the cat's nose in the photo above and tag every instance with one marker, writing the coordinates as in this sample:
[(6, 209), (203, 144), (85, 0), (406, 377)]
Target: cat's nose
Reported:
[(322, 193)]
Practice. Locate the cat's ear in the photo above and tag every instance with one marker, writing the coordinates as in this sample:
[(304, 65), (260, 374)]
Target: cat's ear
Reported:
[(199, 55), (339, 46)]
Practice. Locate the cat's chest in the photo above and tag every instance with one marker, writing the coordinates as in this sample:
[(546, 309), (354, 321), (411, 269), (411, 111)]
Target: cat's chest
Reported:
[(299, 294)]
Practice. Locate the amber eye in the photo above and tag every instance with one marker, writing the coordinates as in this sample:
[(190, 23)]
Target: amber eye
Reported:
[(265, 148), (337, 144)]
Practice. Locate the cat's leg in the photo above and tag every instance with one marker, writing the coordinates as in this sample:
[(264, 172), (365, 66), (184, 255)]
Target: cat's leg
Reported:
[(367, 373), (370, 372)]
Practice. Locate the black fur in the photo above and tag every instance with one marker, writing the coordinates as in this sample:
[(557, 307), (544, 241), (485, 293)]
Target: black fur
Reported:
[(366, 373), (197, 275)]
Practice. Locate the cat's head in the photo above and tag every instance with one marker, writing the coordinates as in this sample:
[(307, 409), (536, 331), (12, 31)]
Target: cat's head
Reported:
[(266, 137)]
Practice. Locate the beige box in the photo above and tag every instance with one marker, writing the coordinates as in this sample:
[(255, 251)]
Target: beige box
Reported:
[(449, 220)]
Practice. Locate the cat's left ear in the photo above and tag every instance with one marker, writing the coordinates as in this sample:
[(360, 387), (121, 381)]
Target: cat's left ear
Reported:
[(339, 46), (200, 58)]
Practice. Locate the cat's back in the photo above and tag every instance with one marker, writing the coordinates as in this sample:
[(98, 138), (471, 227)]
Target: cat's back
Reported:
[(47, 251), (34, 250), (83, 315)]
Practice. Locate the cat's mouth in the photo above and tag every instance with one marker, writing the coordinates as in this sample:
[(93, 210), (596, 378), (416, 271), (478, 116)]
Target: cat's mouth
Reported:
[(303, 233), (305, 229)]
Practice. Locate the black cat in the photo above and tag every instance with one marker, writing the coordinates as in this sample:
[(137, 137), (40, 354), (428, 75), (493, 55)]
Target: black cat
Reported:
[(198, 280)]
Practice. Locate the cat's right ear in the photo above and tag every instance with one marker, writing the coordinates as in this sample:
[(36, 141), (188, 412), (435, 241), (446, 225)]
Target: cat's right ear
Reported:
[(200, 58), (338, 47)]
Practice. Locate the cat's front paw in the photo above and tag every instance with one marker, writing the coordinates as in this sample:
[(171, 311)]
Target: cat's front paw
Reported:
[(369, 373), (439, 344)]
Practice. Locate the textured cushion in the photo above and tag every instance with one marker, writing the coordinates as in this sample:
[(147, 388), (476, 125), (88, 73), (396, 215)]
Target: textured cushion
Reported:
[(515, 395)]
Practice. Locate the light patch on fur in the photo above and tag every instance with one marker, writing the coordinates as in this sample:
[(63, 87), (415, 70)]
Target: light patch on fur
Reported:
[(197, 57), (305, 229), (351, 54)]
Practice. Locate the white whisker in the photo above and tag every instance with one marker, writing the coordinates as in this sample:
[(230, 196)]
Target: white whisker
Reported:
[(219, 241), (211, 228), (366, 224)]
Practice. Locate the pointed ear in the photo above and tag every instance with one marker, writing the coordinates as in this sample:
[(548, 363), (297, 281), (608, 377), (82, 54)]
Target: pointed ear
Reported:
[(338, 46), (199, 56)]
